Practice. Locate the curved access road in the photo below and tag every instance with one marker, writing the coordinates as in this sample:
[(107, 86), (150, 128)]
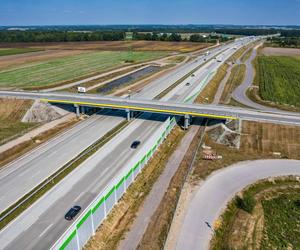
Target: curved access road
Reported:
[(217, 190), (239, 94)]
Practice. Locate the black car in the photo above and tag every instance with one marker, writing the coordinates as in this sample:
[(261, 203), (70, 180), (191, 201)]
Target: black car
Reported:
[(187, 84), (72, 212), (135, 144)]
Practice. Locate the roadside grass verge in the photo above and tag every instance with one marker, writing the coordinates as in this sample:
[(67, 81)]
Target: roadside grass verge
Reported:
[(26, 201), (209, 92), (22, 148), (16, 51), (237, 76), (246, 55), (176, 59), (157, 231), (279, 79), (237, 55), (11, 113), (272, 223), (58, 71), (118, 222)]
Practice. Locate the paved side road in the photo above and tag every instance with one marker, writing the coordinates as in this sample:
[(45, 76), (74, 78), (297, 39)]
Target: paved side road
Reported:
[(212, 196)]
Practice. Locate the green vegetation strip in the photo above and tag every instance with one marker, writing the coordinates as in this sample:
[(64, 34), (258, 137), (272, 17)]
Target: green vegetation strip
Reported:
[(280, 213), (50, 182), (16, 51), (279, 79), (56, 71)]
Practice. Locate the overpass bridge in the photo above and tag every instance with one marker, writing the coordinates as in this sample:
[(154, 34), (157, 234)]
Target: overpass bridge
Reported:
[(155, 106)]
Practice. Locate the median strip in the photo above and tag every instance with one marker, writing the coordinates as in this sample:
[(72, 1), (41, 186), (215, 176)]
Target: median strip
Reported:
[(21, 205)]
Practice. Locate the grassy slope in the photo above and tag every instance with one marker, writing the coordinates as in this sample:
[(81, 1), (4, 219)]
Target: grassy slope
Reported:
[(279, 78), (11, 113), (68, 68), (16, 51)]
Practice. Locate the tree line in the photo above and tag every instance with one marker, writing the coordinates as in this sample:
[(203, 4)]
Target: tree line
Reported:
[(288, 42), (59, 36), (175, 37), (154, 36)]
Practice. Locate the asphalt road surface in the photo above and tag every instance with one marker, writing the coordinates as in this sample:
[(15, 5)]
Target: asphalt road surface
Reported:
[(40, 225), (22, 175), (216, 191)]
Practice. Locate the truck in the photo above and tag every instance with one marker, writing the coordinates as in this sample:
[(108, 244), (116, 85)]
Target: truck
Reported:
[(81, 89)]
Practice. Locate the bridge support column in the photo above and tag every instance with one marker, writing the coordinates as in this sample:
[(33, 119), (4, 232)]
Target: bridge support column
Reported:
[(187, 120), (128, 114), (77, 110), (82, 109)]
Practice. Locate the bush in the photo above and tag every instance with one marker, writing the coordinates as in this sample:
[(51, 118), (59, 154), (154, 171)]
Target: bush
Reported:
[(247, 203)]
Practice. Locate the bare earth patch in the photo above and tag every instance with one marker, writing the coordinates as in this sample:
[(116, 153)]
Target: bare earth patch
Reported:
[(268, 51), (117, 46), (15, 60)]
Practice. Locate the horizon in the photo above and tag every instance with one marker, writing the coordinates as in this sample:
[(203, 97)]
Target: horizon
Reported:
[(146, 12)]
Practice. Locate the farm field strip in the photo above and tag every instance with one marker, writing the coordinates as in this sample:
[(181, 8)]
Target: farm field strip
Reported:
[(71, 67), (16, 51), (279, 79)]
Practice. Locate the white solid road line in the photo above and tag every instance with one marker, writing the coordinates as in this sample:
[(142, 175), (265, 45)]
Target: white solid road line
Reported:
[(46, 229)]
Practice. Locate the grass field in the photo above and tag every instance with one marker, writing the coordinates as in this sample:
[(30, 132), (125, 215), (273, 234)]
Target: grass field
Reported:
[(282, 222), (273, 223), (11, 113), (16, 51), (279, 79), (52, 72)]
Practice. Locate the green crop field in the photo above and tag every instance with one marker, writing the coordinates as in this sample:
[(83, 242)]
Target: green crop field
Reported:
[(282, 222), (15, 51), (279, 79), (69, 68)]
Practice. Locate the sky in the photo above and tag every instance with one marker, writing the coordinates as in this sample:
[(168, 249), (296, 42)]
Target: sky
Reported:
[(68, 12)]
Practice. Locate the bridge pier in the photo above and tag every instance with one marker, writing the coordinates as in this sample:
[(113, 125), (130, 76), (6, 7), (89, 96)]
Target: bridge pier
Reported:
[(77, 110), (128, 114), (187, 120), (82, 109)]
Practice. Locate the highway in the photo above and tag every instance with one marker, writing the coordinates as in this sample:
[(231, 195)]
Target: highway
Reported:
[(211, 198), (22, 175), (64, 148), (40, 225), (165, 107)]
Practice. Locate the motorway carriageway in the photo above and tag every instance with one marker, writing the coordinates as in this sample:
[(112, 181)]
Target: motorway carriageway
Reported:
[(22, 175), (43, 223)]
